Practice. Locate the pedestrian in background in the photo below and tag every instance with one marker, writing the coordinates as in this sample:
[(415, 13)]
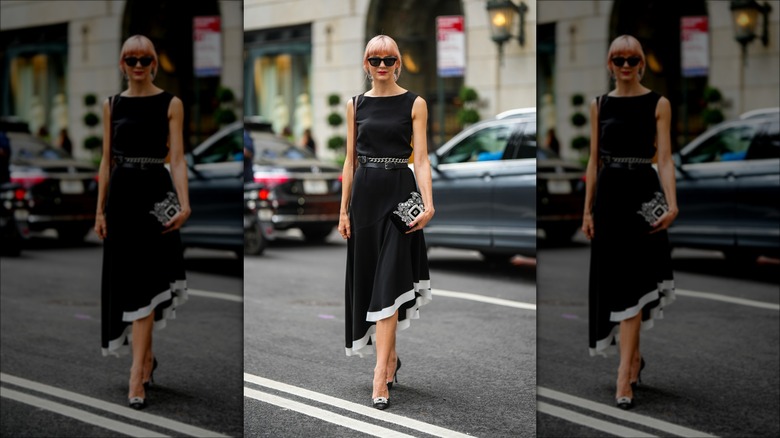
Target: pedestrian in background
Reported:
[(630, 267), (64, 142), (249, 156), (139, 212), (307, 141), (387, 269)]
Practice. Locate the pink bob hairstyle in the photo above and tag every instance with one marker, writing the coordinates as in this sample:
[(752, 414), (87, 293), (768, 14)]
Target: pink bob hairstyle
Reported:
[(626, 45), (383, 45), (138, 45)]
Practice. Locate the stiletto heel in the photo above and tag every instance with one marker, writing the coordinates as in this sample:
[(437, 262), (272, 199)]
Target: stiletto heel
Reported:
[(635, 385), (150, 382), (395, 375)]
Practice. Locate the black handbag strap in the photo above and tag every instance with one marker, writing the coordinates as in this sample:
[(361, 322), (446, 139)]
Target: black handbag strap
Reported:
[(599, 102), (111, 101)]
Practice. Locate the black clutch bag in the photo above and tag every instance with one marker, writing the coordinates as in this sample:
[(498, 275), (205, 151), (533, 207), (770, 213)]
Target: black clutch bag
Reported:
[(407, 211), (166, 209), (653, 209)]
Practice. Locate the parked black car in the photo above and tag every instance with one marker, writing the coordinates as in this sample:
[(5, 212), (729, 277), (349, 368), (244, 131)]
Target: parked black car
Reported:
[(216, 192), (484, 188), (61, 192), (302, 191), (14, 212), (560, 195), (728, 187)]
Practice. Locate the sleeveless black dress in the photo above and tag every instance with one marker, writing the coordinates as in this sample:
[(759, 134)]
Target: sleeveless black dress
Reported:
[(143, 269), (386, 269), (630, 269)]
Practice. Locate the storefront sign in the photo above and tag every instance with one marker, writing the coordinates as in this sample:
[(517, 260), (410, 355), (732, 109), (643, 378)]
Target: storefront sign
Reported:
[(450, 45), (207, 46), (695, 48)]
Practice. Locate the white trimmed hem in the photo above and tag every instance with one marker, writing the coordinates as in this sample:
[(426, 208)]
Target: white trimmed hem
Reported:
[(423, 287), (178, 290), (665, 291)]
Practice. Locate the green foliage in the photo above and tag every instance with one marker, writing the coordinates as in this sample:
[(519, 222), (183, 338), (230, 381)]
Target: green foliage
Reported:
[(712, 95), (93, 142), (336, 142), (578, 119), (334, 99), (577, 99), (91, 119), (225, 95), (468, 94), (467, 116), (335, 119), (712, 116), (580, 142), (90, 99), (224, 116)]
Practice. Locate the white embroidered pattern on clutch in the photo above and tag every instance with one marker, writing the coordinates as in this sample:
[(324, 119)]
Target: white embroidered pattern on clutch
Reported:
[(166, 209), (654, 208), (410, 209)]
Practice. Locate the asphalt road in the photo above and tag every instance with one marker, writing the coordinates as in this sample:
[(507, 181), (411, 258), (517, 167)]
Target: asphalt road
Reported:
[(713, 366), (55, 381), (469, 367)]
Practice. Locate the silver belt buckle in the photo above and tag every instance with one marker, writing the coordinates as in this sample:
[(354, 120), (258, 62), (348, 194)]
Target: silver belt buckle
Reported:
[(389, 166)]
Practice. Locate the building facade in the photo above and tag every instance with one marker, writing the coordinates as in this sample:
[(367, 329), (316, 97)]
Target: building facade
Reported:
[(300, 52), (54, 53), (574, 37)]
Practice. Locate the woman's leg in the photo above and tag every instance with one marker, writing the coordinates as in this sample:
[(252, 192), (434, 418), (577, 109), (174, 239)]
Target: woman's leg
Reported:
[(385, 346), (142, 340), (148, 360), (629, 345), (636, 363)]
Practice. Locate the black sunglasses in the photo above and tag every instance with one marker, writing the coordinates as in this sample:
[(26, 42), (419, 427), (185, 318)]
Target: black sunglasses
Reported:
[(389, 61), (146, 61), (633, 61)]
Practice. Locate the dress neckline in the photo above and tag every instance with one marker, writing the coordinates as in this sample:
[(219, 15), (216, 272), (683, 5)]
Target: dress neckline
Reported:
[(140, 97), (392, 95), (628, 97)]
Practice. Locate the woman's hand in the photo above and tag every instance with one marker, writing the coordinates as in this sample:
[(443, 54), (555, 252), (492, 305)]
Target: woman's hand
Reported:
[(421, 220), (177, 221), (664, 221), (587, 225), (344, 226), (100, 225)]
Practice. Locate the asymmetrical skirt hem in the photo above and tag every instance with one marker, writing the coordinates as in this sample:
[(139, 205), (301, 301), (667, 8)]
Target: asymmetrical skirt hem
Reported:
[(420, 294), (662, 296), (176, 295)]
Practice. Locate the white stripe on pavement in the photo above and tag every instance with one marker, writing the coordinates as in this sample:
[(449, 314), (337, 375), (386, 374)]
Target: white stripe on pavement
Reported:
[(322, 414), (593, 423), (218, 295), (123, 411), (354, 407), (728, 299), (78, 414), (611, 411), (483, 299)]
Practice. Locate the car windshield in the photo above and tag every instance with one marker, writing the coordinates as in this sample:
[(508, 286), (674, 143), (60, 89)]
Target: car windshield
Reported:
[(270, 147), (27, 147)]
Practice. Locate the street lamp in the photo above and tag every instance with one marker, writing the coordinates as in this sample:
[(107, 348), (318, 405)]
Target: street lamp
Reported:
[(501, 14), (745, 14)]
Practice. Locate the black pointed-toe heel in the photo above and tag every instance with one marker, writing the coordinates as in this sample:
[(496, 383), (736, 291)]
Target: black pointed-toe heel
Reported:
[(635, 385), (149, 383), (625, 403), (395, 375), (137, 403), (380, 403)]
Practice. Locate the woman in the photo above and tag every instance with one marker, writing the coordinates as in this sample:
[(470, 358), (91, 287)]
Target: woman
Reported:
[(387, 269), (630, 272), (136, 214)]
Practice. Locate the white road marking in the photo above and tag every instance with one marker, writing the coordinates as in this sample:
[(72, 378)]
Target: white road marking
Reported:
[(483, 299), (728, 299), (218, 295), (593, 423), (664, 426), (322, 414), (354, 407), (123, 411), (78, 414)]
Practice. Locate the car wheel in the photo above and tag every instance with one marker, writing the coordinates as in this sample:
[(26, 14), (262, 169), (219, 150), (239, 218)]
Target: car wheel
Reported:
[(254, 242), (72, 233), (318, 233), (740, 257)]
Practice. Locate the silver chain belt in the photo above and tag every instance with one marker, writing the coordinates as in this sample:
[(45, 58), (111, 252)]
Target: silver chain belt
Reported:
[(139, 160), (627, 160), (364, 159)]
